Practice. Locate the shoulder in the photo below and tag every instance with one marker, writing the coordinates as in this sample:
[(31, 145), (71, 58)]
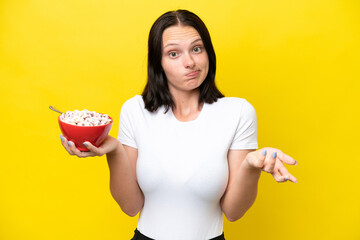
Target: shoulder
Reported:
[(133, 108), (134, 101), (235, 104), (133, 104)]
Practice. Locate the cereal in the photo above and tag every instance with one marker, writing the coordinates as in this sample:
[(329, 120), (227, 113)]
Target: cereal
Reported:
[(85, 118)]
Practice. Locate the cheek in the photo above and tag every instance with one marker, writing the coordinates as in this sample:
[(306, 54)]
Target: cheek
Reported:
[(166, 68), (205, 63), (203, 60), (170, 68)]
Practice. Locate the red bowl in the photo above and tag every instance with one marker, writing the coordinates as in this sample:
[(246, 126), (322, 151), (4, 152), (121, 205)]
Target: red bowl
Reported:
[(80, 134)]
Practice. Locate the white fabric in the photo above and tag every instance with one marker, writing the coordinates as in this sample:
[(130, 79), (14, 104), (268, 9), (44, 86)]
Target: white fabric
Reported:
[(182, 167)]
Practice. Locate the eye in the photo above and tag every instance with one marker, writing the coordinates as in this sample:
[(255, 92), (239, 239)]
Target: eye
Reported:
[(173, 54), (197, 49)]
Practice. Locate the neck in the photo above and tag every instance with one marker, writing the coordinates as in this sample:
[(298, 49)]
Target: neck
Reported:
[(187, 105)]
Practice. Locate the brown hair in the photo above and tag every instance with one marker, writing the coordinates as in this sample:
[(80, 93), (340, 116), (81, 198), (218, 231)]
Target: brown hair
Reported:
[(156, 92)]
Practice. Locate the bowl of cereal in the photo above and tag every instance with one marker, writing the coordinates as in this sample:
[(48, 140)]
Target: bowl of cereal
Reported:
[(81, 126)]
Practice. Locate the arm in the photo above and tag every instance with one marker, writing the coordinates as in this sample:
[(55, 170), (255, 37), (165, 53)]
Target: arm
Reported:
[(123, 182), (245, 167), (242, 186), (122, 163)]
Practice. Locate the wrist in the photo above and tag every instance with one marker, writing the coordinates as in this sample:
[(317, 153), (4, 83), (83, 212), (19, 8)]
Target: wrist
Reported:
[(117, 150)]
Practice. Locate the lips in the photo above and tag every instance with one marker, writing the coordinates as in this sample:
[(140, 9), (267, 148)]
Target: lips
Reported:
[(193, 73)]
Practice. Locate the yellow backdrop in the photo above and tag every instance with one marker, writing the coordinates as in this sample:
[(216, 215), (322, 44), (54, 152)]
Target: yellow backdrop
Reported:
[(296, 62)]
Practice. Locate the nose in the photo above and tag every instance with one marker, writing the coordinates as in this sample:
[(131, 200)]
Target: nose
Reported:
[(188, 61)]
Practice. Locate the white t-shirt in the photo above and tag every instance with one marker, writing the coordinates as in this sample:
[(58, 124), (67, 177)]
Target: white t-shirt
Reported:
[(182, 167)]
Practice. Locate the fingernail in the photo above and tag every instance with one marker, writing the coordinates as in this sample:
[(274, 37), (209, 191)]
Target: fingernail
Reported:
[(61, 137), (264, 153), (274, 155), (295, 163), (69, 143), (286, 179), (85, 144)]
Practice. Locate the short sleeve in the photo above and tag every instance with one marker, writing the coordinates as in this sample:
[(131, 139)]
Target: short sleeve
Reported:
[(246, 131), (126, 127)]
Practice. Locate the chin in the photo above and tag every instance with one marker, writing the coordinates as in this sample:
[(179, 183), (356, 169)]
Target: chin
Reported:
[(193, 84)]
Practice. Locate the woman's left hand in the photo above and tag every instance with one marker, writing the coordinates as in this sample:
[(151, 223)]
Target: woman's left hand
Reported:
[(271, 160)]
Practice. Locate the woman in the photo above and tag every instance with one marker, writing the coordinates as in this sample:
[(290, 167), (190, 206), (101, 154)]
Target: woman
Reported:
[(185, 154)]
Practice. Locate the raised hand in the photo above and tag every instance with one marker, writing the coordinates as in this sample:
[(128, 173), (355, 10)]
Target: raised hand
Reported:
[(271, 160)]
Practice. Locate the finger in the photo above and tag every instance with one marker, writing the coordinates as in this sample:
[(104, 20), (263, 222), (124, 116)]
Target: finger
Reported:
[(286, 158), (278, 177), (288, 176), (257, 158), (84, 154), (77, 152), (97, 151), (71, 147), (65, 144), (270, 161)]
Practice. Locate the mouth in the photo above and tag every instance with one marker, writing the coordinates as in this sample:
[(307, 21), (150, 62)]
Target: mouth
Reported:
[(193, 73)]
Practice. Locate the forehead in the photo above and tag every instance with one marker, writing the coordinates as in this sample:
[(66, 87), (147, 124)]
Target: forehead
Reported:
[(179, 34)]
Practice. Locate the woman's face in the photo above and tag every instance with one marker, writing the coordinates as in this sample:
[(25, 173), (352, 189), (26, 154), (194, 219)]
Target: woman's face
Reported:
[(184, 58)]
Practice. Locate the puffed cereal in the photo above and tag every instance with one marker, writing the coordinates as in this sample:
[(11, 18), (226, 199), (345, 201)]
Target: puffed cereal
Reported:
[(85, 118)]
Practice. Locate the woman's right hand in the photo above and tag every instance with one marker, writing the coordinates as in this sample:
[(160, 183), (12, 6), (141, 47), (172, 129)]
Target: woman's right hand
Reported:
[(108, 145)]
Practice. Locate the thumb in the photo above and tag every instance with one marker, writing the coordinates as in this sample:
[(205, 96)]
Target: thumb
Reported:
[(257, 158), (97, 151)]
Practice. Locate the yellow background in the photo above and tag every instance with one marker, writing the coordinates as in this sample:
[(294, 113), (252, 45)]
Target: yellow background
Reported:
[(296, 62)]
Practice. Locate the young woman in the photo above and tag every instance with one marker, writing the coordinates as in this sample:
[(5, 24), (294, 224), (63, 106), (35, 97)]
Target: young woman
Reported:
[(185, 154)]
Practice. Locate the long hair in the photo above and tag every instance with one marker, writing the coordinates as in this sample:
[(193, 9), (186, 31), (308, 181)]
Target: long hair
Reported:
[(156, 92)]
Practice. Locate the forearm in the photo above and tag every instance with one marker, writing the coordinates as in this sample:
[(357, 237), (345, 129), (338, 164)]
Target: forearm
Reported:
[(123, 184), (241, 192)]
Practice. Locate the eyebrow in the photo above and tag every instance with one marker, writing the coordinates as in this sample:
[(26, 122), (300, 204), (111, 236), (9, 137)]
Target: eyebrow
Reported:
[(175, 44)]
